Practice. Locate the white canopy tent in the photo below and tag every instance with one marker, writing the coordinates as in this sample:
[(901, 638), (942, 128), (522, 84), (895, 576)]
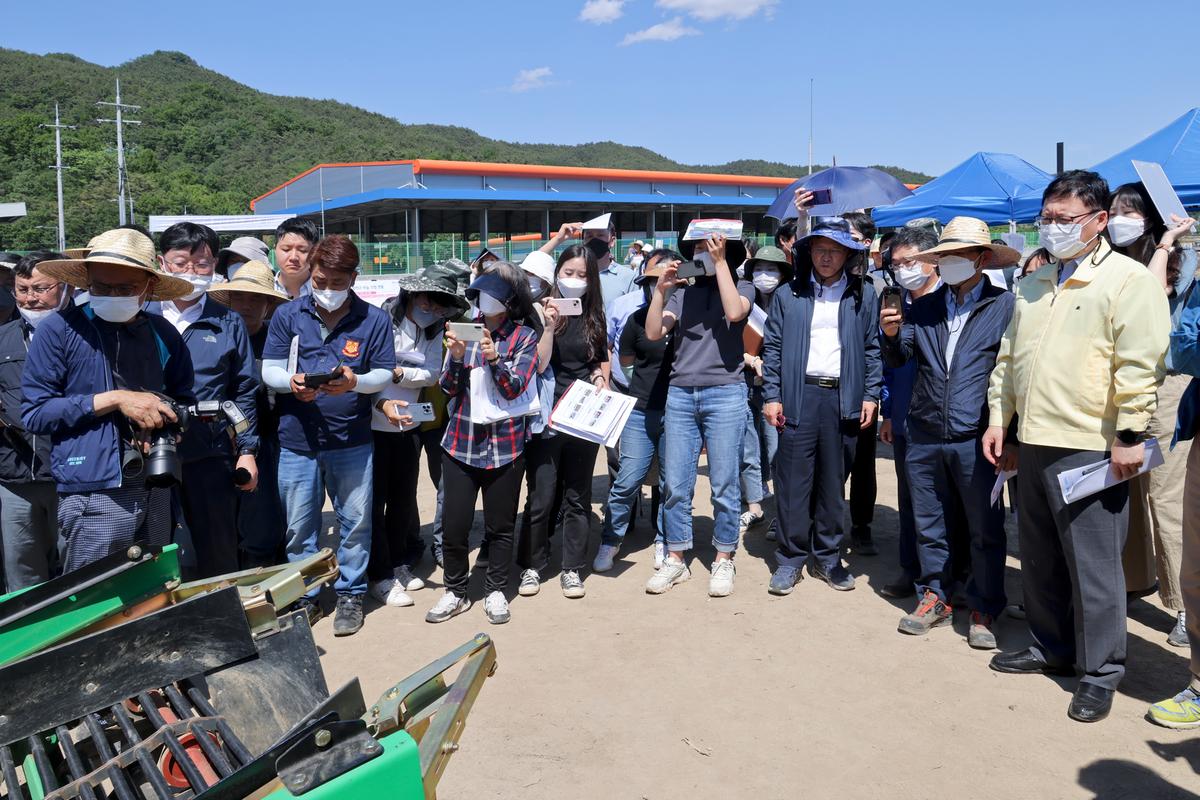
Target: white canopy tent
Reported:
[(229, 223)]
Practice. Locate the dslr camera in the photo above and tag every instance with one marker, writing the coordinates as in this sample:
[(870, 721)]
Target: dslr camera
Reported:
[(161, 466)]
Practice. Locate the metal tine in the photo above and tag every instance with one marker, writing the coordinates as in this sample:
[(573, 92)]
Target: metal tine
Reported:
[(173, 744), (42, 761), (240, 752), (212, 750), (120, 781), (149, 769), (74, 763), (8, 770)]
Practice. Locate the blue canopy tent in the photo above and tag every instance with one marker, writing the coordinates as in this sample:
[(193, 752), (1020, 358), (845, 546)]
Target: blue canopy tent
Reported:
[(1176, 147), (994, 187)]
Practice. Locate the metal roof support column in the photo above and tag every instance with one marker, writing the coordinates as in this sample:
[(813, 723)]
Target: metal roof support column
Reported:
[(650, 224), (546, 223), (416, 235), (483, 227)]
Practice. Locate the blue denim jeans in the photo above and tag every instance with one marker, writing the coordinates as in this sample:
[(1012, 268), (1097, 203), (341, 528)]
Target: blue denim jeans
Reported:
[(641, 439), (346, 475), (715, 417), (759, 445)]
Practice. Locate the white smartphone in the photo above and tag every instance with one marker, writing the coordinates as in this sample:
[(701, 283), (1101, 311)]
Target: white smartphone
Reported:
[(568, 306), (420, 412), (467, 331)]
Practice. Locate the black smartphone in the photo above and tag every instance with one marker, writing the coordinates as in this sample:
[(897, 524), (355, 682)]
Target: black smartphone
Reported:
[(314, 380), (691, 269), (822, 197), (892, 298)]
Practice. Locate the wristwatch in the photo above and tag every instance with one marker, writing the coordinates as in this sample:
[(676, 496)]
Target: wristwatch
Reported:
[(248, 451), (1128, 437)]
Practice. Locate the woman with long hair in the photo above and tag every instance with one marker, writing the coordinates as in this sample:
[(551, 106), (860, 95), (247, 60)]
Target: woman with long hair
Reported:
[(576, 348), (1154, 547)]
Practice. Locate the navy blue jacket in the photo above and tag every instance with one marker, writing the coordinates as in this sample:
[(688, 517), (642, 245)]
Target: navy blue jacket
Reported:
[(24, 457), (785, 347), (949, 402), (65, 369), (223, 366)]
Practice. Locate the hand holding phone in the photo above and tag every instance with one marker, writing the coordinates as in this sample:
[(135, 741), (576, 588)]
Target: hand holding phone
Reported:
[(315, 380), (567, 306), (466, 331), (821, 197)]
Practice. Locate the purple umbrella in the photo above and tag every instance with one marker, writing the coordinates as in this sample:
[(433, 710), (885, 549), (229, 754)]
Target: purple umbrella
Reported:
[(850, 188)]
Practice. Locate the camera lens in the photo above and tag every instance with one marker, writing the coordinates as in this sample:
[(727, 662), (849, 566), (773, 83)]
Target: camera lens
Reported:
[(131, 462), (163, 467), (241, 476)]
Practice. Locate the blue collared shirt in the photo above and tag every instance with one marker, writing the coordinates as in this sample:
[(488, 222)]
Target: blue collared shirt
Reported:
[(615, 281), (361, 340), (957, 314), (618, 314)]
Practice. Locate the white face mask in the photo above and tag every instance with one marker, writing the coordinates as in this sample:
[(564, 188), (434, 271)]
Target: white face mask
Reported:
[(1063, 241), (572, 287), (1123, 230), (956, 269), (911, 278), (35, 317), (490, 306), (766, 281), (233, 268), (329, 299), (116, 309), (199, 284)]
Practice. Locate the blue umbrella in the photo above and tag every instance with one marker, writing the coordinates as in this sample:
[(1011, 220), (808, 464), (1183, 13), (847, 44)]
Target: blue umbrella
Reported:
[(850, 188)]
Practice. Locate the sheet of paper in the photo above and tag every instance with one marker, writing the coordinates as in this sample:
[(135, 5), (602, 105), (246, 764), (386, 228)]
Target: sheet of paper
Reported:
[(1159, 187), (599, 223), (998, 487), (703, 228), (596, 415), (294, 356), (757, 319), (1082, 482)]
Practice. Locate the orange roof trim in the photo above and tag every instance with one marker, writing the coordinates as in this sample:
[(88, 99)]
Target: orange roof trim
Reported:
[(538, 171)]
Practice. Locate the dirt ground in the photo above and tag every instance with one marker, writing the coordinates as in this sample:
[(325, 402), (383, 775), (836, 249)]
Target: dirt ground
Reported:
[(627, 695)]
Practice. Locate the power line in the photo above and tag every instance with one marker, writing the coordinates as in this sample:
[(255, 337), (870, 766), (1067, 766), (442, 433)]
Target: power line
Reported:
[(120, 121), (58, 169)]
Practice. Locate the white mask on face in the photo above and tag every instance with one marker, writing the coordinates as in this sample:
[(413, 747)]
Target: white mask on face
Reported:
[(911, 278), (199, 284), (572, 287), (766, 281), (956, 269), (1063, 241), (490, 306), (116, 309), (1123, 230), (330, 299), (37, 316)]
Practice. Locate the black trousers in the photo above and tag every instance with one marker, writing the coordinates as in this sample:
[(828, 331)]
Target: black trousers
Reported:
[(548, 461), (815, 453), (863, 487), (395, 524), (209, 502), (500, 487)]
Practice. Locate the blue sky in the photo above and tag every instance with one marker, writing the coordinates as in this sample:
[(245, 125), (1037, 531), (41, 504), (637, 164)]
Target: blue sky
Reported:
[(920, 84)]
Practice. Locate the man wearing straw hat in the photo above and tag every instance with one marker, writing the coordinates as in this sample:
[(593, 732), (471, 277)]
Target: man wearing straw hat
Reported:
[(90, 384), (261, 524), (953, 335)]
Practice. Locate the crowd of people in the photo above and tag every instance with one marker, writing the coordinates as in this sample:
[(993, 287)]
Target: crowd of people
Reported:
[(188, 392)]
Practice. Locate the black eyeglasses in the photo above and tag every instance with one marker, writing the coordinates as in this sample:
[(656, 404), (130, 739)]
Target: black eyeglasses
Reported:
[(1066, 220)]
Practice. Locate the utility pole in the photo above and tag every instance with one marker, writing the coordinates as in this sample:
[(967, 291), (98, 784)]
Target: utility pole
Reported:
[(120, 122), (58, 168)]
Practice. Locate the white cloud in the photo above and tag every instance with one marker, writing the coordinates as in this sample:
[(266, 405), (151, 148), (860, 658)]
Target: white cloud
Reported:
[(536, 78), (709, 10), (599, 12), (667, 31)]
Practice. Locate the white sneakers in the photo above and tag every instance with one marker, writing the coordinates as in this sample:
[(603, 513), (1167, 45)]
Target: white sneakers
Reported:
[(720, 584), (495, 607), (660, 552), (447, 606), (389, 592), (407, 581), (531, 583), (604, 558), (671, 572)]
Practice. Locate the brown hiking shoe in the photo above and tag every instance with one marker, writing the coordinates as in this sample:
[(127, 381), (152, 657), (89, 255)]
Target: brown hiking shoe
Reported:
[(980, 635), (931, 612)]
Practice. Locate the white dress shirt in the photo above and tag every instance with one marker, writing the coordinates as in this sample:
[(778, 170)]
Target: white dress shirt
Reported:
[(182, 319), (824, 337)]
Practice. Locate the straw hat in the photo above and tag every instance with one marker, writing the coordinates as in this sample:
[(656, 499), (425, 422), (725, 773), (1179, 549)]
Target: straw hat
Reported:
[(79, 252), (125, 248), (254, 277), (965, 233)]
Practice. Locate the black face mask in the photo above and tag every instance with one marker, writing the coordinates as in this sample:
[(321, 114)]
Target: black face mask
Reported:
[(599, 247)]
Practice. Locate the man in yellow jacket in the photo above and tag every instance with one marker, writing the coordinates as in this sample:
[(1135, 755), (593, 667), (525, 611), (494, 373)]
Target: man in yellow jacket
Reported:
[(1079, 366)]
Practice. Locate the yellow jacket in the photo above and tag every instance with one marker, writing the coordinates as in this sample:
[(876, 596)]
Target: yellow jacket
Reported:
[(1081, 361)]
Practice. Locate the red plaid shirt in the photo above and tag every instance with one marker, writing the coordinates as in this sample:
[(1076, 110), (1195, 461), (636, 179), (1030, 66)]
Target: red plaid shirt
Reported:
[(490, 446)]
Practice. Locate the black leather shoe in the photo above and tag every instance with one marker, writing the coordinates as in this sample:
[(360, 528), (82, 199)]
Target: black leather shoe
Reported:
[(899, 588), (1091, 703), (1023, 662)]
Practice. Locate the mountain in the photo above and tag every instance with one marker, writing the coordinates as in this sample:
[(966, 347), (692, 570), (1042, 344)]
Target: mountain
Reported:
[(208, 144)]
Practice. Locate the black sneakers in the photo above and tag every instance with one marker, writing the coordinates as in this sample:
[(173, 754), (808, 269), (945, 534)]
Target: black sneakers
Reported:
[(348, 619)]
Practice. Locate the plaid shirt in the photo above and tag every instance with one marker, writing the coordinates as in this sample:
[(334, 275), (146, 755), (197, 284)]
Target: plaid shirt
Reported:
[(489, 446)]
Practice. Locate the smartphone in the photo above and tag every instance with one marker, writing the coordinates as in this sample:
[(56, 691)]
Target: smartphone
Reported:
[(691, 269), (467, 331), (568, 306), (822, 197), (420, 412), (892, 298), (313, 380)]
